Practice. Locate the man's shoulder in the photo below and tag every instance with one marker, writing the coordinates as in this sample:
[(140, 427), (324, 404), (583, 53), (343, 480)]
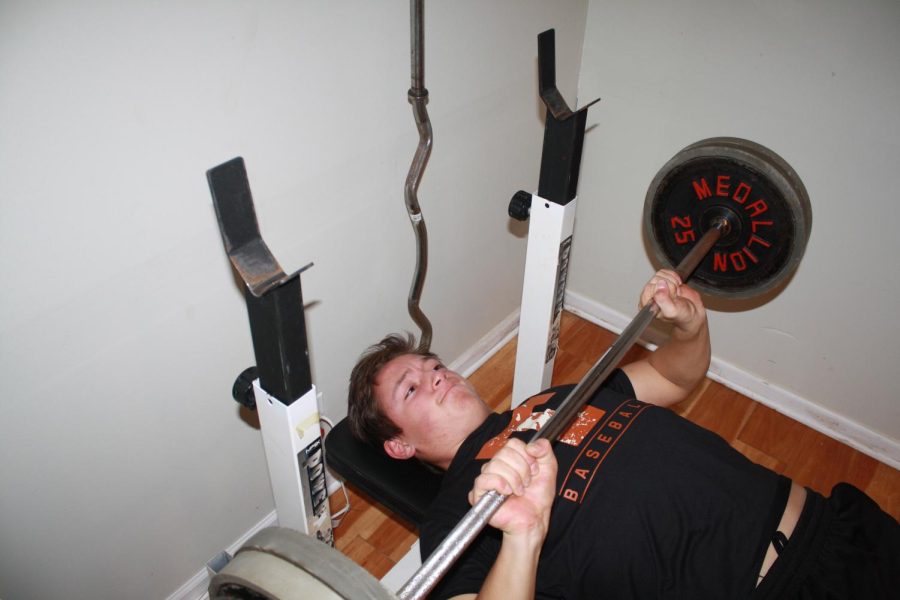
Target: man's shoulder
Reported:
[(618, 383)]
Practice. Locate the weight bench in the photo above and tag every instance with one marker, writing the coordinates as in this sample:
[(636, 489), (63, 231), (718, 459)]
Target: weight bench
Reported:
[(405, 487)]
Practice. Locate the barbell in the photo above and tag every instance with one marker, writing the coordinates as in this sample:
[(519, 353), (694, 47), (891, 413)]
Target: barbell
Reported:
[(728, 213)]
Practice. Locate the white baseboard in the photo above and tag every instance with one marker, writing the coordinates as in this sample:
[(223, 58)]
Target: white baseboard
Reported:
[(823, 420), (478, 354), (196, 586)]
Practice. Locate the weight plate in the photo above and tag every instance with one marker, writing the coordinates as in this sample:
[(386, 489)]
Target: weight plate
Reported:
[(760, 195), (283, 564)]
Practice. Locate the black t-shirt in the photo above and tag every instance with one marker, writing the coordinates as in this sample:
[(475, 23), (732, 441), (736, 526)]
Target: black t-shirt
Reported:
[(649, 505)]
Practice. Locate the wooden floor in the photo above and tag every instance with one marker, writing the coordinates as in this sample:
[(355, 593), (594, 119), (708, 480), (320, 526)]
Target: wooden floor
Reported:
[(375, 539)]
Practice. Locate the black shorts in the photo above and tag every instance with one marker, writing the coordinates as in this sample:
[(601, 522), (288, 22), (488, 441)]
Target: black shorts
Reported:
[(843, 546)]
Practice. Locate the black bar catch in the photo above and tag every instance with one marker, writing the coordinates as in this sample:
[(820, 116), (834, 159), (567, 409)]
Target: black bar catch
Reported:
[(563, 130), (274, 299)]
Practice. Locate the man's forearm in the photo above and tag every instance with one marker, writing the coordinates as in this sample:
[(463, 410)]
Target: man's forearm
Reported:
[(668, 375), (514, 573), (678, 365), (684, 358)]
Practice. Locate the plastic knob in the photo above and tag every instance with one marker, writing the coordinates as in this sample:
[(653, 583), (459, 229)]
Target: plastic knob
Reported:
[(520, 206), (242, 390)]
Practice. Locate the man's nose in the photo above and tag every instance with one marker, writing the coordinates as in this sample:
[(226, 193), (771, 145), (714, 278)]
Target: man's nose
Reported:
[(437, 378)]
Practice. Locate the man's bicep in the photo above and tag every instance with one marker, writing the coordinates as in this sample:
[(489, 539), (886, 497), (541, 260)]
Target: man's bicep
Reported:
[(464, 597)]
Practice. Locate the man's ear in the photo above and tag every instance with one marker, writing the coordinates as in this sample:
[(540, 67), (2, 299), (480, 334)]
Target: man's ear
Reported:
[(397, 448)]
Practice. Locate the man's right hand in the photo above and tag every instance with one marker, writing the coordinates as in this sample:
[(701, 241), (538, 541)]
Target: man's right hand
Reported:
[(678, 303), (526, 474)]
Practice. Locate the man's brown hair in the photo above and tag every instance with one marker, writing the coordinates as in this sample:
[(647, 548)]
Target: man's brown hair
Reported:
[(366, 419)]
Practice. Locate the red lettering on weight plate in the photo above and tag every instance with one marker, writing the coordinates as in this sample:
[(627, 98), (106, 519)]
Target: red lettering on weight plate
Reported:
[(755, 239), (570, 494), (750, 255), (687, 235), (741, 192), (736, 260), (723, 184), (682, 222), (720, 262), (757, 208), (701, 189)]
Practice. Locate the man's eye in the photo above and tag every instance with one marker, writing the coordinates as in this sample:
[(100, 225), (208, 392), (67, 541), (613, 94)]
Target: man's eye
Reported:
[(438, 366), (410, 391)]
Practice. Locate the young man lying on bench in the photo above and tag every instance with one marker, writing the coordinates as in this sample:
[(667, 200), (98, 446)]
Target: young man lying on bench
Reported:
[(632, 500)]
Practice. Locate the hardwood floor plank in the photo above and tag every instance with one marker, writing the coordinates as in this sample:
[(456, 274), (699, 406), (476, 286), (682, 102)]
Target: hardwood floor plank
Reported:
[(362, 523), (721, 410), (885, 489), (758, 456), (494, 378), (363, 553), (684, 407), (392, 540), (811, 458)]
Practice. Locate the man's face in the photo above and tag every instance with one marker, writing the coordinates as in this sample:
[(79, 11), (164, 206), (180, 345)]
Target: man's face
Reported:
[(436, 408)]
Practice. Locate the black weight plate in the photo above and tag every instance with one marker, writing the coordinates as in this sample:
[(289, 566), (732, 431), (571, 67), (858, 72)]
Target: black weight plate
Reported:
[(763, 199)]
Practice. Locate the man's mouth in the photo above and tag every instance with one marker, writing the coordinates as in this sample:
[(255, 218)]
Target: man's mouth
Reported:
[(447, 391)]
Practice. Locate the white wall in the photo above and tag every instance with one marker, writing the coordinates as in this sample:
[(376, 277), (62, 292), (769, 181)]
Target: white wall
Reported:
[(126, 465), (819, 83)]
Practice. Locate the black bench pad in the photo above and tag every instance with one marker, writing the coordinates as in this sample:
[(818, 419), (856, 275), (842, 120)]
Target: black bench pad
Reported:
[(406, 487)]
